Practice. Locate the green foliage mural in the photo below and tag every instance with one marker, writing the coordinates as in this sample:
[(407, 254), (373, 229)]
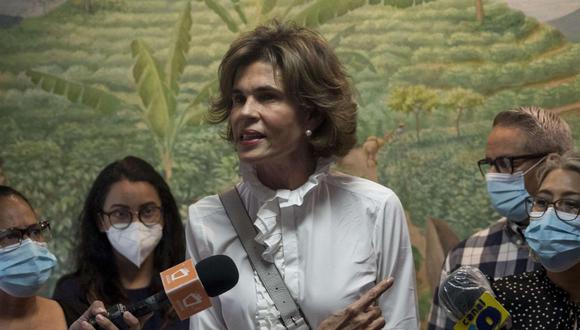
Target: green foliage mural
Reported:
[(157, 88), (460, 100), (413, 99), (80, 88)]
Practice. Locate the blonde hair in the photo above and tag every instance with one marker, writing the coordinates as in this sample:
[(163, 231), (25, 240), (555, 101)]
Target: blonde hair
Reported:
[(568, 161)]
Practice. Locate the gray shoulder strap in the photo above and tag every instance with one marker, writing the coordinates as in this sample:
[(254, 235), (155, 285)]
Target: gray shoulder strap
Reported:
[(290, 312)]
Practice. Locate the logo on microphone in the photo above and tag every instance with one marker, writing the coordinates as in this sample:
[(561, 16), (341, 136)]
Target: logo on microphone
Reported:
[(192, 300), (184, 289), (180, 273), (486, 314)]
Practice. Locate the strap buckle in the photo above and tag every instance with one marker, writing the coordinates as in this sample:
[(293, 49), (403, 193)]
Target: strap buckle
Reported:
[(295, 322)]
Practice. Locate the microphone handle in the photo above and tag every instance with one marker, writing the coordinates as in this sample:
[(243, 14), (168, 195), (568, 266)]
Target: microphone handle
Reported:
[(138, 309), (114, 313), (148, 305)]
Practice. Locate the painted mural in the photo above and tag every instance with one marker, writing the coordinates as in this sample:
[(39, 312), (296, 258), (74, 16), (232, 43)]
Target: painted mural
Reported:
[(430, 76)]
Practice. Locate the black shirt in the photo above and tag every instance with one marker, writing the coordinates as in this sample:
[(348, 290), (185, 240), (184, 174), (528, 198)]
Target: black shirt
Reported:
[(534, 302), (72, 298)]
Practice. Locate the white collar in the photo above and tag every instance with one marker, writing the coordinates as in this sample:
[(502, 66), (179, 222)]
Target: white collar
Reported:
[(285, 196), (269, 231)]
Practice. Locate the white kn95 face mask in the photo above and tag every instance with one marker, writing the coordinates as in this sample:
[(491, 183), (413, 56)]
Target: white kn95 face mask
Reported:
[(135, 242)]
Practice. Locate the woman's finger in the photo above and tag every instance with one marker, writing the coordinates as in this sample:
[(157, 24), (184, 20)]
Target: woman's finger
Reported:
[(361, 313), (105, 323), (367, 318), (96, 308), (374, 311), (81, 325), (131, 321), (377, 323), (361, 320), (373, 294)]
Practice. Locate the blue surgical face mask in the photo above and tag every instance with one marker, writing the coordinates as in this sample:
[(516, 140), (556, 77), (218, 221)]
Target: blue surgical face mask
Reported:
[(24, 269), (508, 194), (555, 242)]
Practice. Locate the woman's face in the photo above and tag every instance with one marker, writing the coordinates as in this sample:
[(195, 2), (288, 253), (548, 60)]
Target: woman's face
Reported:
[(15, 213), (560, 184), (266, 126), (26, 266), (135, 197), (553, 235)]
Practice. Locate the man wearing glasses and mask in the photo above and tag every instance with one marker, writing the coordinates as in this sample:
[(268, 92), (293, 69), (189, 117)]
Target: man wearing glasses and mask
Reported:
[(518, 143)]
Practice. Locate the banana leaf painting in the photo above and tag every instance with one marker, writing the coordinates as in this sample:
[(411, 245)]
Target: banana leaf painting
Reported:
[(86, 82)]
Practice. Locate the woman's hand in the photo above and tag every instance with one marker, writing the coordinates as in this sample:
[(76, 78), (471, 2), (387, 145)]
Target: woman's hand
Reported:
[(361, 314), (97, 309)]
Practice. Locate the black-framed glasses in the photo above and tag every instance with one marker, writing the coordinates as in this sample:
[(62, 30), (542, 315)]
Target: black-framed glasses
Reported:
[(39, 232), (121, 218), (504, 164), (566, 209)]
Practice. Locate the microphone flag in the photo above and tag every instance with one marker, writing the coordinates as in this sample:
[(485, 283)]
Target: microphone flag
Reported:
[(185, 290), (486, 314)]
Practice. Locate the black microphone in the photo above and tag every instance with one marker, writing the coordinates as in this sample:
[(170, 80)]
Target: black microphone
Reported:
[(468, 299), (187, 288)]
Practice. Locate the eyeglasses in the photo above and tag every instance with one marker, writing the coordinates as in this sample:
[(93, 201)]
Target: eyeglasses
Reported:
[(504, 164), (39, 232), (121, 218), (566, 209)]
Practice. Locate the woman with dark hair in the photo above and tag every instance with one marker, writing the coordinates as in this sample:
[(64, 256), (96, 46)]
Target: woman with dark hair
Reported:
[(25, 266), (290, 112), (130, 231)]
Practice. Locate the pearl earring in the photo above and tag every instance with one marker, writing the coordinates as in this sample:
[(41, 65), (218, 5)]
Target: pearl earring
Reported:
[(308, 133)]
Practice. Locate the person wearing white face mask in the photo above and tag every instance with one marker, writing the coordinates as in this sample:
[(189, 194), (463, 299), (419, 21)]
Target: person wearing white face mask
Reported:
[(549, 298), (135, 240), (130, 231), (518, 144)]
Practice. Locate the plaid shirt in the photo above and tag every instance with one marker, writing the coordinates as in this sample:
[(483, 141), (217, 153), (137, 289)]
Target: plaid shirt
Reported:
[(499, 250)]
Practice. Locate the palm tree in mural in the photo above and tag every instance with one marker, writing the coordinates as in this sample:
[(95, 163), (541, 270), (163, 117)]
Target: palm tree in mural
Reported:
[(157, 86), (309, 13)]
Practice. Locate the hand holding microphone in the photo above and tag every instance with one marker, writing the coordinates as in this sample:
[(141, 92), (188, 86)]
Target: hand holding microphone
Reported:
[(468, 299), (96, 312), (186, 288)]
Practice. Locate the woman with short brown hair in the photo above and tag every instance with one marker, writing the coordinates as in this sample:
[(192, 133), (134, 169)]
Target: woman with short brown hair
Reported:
[(290, 112)]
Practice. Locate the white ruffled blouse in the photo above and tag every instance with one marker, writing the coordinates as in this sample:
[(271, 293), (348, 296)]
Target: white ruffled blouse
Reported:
[(332, 239), (270, 233)]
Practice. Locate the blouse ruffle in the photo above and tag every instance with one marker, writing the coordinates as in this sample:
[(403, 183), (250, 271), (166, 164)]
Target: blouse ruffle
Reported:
[(269, 229), (270, 232)]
